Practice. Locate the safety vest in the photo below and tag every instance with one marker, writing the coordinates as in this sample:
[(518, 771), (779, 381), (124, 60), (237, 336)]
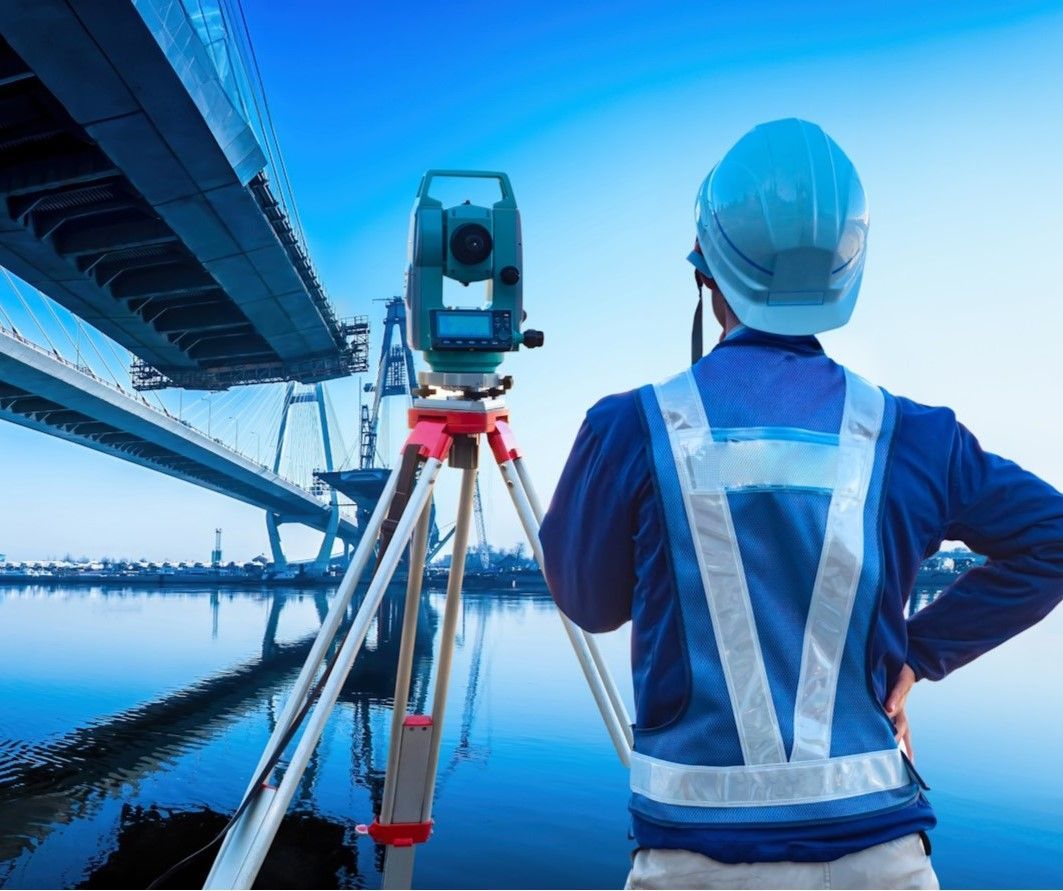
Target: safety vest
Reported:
[(781, 725)]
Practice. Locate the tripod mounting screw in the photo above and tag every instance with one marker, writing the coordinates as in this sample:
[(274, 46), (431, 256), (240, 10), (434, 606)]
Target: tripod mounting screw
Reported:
[(533, 338)]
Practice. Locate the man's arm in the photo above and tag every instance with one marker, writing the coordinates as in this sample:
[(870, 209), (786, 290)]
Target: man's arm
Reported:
[(588, 532), (1016, 520)]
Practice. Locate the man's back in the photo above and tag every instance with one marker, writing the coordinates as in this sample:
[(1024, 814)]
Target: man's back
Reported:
[(609, 558)]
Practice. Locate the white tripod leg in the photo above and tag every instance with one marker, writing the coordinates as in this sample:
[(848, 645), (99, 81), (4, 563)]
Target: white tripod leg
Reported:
[(451, 615), (325, 636), (409, 786), (592, 645), (398, 862), (605, 694), (245, 854)]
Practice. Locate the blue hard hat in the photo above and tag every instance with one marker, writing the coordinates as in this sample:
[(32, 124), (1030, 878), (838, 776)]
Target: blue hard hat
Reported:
[(782, 223)]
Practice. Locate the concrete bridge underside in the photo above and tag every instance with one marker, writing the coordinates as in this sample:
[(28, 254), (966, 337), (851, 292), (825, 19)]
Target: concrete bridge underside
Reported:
[(132, 191)]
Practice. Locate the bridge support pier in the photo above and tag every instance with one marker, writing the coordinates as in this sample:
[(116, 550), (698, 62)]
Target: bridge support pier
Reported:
[(273, 521)]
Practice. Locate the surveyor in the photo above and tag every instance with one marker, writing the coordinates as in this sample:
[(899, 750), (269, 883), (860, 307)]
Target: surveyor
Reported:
[(760, 518)]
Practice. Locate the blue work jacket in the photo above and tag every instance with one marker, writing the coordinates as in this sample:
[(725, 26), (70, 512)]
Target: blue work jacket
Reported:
[(607, 562)]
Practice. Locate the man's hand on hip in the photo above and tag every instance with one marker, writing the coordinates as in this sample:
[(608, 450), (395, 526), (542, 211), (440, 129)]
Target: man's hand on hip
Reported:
[(895, 709)]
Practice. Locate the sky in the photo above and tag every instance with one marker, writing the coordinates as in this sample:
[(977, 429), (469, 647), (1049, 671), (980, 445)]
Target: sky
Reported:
[(607, 117)]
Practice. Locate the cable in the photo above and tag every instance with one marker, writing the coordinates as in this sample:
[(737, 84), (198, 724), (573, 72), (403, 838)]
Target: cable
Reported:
[(26, 306), (211, 405), (243, 419), (304, 454), (10, 323), (247, 413), (251, 417), (51, 308), (286, 181), (357, 443), (102, 358), (273, 431), (237, 409), (334, 427), (277, 464), (250, 88), (88, 339), (125, 365)]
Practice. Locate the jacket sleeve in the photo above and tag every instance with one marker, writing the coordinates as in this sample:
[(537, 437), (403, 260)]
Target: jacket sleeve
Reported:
[(588, 532), (1016, 520)]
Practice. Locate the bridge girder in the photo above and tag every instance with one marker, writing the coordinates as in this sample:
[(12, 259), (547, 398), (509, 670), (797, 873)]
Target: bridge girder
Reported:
[(119, 180), (40, 391)]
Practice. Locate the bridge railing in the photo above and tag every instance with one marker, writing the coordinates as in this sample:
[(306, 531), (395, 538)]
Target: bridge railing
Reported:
[(82, 368)]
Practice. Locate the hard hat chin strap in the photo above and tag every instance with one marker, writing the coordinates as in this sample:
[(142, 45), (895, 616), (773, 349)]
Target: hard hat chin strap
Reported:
[(696, 341), (702, 277)]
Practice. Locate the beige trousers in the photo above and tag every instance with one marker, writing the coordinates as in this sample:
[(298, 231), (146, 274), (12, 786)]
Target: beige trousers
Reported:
[(901, 863)]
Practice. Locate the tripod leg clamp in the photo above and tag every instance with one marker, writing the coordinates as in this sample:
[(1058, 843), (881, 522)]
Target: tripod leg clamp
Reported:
[(432, 438), (397, 835), (503, 443)]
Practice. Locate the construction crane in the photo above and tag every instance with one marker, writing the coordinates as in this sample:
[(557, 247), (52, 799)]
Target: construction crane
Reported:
[(481, 529)]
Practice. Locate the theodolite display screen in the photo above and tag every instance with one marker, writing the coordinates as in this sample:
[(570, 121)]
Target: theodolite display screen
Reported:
[(464, 324), (471, 329)]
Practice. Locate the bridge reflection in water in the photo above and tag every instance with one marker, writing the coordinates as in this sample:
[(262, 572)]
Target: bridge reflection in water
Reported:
[(195, 742)]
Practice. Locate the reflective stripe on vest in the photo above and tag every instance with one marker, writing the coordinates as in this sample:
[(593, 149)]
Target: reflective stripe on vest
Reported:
[(769, 784), (774, 458)]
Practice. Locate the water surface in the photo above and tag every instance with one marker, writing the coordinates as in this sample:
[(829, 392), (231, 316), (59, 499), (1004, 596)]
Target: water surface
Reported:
[(133, 718)]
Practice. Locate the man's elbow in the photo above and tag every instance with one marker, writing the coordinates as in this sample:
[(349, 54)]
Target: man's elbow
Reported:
[(1049, 554), (584, 589), (592, 622), (580, 609)]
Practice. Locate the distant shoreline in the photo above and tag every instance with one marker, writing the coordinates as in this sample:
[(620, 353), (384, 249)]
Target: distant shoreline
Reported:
[(524, 581)]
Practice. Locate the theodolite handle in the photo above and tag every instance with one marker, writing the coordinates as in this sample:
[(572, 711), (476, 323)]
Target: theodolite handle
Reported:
[(503, 182)]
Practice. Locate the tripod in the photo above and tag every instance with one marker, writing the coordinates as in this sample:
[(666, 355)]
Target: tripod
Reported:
[(441, 429)]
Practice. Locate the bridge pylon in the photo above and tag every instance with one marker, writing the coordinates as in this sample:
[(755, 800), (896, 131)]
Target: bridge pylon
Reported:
[(294, 396), (395, 377)]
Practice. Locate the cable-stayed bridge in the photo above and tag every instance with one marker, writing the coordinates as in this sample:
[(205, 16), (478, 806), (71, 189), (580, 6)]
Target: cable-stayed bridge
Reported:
[(143, 192)]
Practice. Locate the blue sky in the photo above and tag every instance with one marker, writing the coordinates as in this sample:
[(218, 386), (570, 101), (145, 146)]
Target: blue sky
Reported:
[(607, 117)]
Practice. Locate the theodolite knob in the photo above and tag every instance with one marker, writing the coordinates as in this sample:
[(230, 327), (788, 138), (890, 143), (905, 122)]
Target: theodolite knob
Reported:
[(533, 338), (510, 275)]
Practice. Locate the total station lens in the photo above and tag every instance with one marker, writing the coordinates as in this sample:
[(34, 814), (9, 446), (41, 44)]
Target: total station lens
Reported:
[(470, 244)]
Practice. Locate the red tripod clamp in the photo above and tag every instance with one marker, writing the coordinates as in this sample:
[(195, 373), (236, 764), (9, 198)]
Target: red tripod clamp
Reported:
[(503, 443), (433, 430), (397, 835)]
